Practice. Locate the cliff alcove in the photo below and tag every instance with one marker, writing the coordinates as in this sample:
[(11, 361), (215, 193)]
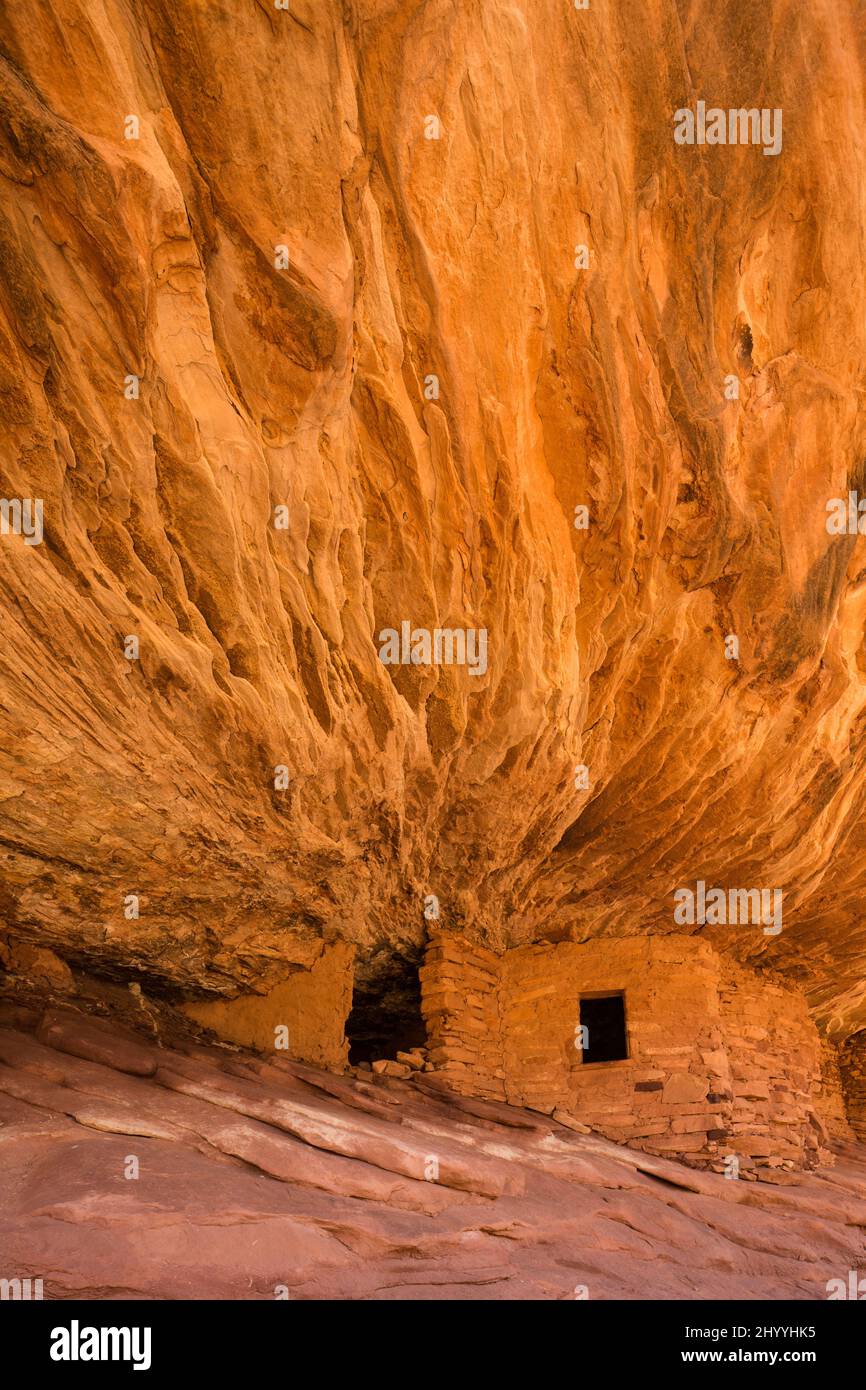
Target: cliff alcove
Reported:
[(386, 1015), (421, 612)]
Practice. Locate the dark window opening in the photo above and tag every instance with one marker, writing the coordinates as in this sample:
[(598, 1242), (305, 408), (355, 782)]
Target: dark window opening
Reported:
[(386, 1008), (603, 1017)]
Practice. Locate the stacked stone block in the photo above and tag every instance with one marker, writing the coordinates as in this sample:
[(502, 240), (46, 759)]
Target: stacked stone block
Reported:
[(460, 1003), (724, 1068), (852, 1066)]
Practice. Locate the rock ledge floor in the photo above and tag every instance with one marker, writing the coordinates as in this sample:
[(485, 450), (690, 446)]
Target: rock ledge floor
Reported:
[(266, 1178)]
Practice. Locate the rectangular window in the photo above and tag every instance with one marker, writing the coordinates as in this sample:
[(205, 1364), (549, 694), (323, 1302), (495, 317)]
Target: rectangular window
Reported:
[(603, 1017)]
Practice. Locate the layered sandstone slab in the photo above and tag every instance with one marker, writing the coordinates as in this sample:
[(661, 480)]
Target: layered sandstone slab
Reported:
[(223, 1176)]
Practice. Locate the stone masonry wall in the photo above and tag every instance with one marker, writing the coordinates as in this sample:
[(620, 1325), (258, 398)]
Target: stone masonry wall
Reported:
[(668, 1096), (829, 1097), (460, 1004), (720, 1061), (852, 1066), (775, 1055), (312, 1004)]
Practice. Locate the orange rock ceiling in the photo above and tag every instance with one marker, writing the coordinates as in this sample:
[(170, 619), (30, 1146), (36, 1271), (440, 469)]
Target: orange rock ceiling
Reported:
[(305, 388)]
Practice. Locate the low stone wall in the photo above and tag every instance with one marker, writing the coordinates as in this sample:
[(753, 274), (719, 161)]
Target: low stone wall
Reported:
[(775, 1057), (663, 1097), (460, 1004), (829, 1097), (852, 1067), (312, 1004), (721, 1063)]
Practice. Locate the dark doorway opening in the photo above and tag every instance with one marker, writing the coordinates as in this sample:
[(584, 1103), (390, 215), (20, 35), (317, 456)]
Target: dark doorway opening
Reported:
[(603, 1017), (386, 1007)]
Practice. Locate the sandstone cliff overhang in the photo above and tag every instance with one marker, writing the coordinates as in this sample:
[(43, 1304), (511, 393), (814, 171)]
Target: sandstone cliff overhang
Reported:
[(350, 334)]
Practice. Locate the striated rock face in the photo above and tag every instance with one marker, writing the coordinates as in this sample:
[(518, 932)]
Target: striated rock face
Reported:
[(231, 264)]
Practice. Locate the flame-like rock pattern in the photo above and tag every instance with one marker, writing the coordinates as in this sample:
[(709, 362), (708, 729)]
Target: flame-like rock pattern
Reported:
[(309, 388)]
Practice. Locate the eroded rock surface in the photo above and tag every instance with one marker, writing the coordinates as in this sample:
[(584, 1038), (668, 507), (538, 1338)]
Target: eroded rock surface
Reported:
[(150, 265), (220, 1175)]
